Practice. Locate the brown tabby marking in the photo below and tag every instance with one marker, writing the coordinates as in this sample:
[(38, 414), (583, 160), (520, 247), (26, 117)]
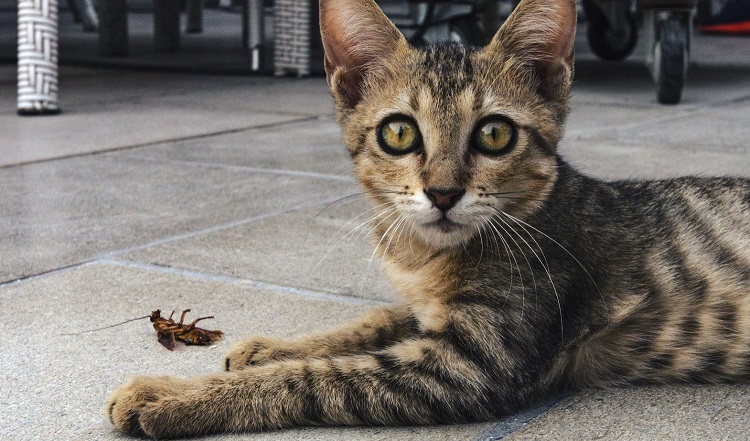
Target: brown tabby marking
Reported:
[(519, 275)]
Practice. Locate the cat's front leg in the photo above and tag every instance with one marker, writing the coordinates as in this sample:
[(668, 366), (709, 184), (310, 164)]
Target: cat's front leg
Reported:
[(376, 329), (167, 407), (427, 380)]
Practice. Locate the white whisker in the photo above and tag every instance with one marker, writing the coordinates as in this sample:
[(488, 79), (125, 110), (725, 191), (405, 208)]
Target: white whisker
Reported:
[(327, 249), (382, 237), (512, 256), (398, 223), (341, 201), (518, 247), (544, 264), (568, 252), (481, 249)]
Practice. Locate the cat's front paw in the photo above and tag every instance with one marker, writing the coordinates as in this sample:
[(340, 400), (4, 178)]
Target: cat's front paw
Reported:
[(151, 406), (258, 350)]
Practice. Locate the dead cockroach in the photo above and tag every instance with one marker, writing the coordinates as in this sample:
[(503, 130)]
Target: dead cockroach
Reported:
[(167, 331)]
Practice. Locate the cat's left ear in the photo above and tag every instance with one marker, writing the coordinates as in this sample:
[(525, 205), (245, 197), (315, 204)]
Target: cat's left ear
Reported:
[(541, 33), (358, 39)]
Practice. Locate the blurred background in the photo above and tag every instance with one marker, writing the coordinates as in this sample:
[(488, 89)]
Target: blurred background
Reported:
[(280, 37)]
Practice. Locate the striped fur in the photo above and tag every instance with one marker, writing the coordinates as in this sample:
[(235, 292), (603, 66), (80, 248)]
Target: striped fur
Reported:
[(540, 279)]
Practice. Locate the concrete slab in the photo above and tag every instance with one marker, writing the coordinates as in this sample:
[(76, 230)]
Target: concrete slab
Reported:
[(107, 110), (680, 412), (627, 83), (710, 127), (610, 159), (55, 387), (312, 146), (69, 135), (707, 141), (311, 249), (59, 213)]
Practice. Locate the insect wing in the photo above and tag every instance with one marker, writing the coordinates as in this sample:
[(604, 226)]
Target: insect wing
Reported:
[(166, 339)]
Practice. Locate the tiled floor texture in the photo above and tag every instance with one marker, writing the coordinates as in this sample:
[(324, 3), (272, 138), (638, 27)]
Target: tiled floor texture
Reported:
[(218, 194)]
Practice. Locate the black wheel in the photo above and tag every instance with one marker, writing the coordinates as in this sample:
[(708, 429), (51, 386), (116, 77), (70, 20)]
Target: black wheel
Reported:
[(606, 43), (467, 31), (670, 60)]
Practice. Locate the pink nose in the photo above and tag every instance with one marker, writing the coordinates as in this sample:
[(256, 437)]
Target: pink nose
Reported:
[(444, 198)]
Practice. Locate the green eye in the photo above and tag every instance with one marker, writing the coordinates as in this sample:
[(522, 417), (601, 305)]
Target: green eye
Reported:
[(399, 135), (495, 135)]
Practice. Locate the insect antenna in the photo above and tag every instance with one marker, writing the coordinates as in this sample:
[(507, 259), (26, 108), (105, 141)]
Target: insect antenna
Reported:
[(106, 327)]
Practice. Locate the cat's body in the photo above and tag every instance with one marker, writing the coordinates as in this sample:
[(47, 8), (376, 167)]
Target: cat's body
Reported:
[(519, 275)]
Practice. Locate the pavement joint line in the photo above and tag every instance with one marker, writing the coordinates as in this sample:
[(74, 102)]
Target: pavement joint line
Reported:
[(215, 228), (737, 100), (304, 292), (113, 254), (321, 116), (517, 421), (44, 274), (165, 141), (638, 124), (576, 102), (272, 171), (684, 112)]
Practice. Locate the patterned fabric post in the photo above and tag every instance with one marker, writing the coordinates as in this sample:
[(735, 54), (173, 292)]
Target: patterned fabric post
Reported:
[(37, 57), (292, 37)]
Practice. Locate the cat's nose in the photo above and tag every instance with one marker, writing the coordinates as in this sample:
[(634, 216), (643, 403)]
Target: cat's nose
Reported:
[(444, 198)]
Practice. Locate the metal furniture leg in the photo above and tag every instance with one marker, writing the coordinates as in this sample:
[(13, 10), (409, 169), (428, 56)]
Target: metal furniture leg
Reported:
[(166, 25), (113, 27), (37, 57), (87, 14), (194, 17), (255, 34)]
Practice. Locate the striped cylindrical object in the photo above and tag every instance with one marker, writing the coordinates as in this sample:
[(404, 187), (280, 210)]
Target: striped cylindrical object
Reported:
[(292, 37), (37, 57)]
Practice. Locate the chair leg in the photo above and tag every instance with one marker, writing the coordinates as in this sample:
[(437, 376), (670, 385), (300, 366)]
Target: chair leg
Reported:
[(37, 57), (246, 24), (87, 14), (166, 25), (113, 27), (194, 16), (75, 9)]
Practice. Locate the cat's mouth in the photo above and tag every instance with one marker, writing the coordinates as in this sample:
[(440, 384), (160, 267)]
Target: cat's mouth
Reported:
[(445, 225), (444, 232)]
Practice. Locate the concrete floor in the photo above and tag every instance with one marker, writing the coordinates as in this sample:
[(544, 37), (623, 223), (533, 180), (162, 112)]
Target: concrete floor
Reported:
[(211, 192)]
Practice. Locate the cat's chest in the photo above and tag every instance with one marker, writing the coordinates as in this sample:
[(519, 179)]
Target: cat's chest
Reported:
[(426, 288)]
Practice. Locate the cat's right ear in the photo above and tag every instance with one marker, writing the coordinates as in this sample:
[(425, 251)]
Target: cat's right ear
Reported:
[(357, 38), (540, 34)]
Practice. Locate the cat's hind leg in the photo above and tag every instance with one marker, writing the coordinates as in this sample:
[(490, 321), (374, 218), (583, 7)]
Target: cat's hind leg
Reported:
[(374, 330)]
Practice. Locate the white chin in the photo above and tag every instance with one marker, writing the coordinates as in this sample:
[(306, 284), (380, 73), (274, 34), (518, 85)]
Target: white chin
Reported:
[(445, 235)]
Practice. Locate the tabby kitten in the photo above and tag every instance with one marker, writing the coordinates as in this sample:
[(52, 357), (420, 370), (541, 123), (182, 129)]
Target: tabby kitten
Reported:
[(519, 275)]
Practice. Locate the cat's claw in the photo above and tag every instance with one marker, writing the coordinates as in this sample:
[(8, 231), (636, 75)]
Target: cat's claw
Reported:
[(256, 351)]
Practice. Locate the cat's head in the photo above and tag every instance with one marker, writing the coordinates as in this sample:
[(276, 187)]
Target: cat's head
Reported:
[(444, 137)]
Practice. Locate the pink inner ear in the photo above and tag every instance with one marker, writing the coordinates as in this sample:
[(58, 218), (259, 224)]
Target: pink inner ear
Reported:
[(542, 27), (357, 38), (563, 43), (339, 48), (356, 33), (335, 42)]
